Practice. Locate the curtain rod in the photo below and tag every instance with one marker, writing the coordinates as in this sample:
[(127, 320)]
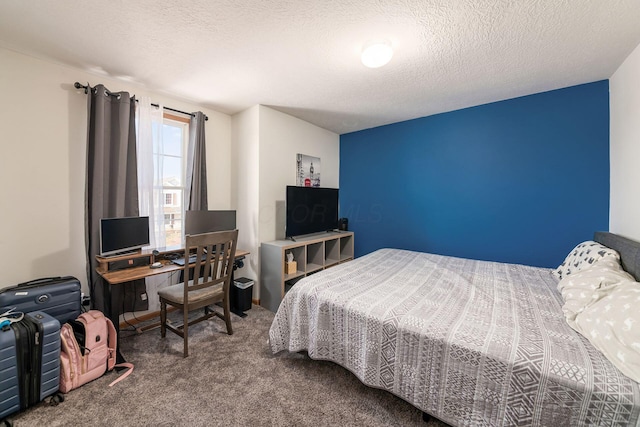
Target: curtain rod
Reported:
[(78, 85)]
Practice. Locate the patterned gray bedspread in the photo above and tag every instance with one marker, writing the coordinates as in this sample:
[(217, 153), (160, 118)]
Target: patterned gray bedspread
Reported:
[(469, 342)]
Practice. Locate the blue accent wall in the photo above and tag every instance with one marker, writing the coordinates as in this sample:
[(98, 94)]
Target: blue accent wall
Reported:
[(521, 181)]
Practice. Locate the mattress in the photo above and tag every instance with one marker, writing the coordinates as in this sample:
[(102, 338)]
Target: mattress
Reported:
[(469, 342)]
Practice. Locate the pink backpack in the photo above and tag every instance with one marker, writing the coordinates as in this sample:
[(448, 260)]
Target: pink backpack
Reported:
[(95, 354)]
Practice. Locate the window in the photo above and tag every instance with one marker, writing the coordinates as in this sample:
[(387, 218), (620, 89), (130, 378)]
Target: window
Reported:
[(169, 220), (172, 160)]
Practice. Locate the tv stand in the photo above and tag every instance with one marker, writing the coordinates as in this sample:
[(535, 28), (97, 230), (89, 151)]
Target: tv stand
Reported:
[(312, 253)]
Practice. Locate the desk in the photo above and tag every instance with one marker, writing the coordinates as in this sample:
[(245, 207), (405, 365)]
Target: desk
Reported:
[(115, 277), (111, 270)]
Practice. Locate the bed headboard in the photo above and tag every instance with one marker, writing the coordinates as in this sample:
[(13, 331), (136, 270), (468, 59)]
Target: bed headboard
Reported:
[(628, 249)]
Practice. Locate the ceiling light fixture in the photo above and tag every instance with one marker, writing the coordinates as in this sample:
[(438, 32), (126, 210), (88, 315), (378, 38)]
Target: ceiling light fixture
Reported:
[(376, 53)]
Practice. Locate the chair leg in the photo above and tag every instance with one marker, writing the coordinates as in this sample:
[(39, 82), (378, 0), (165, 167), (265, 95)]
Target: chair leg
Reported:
[(227, 316), (185, 331), (163, 319)]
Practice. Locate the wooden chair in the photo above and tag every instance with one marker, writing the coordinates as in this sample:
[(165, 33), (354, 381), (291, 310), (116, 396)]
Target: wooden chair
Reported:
[(212, 270)]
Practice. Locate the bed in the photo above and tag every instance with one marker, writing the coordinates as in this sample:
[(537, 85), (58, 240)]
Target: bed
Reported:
[(468, 342)]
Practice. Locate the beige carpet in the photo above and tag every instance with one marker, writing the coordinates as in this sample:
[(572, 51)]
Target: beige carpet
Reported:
[(226, 380)]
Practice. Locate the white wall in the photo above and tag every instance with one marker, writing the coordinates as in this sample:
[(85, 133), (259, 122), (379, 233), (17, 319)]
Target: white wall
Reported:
[(42, 165), (282, 137), (245, 196), (624, 88), (265, 144)]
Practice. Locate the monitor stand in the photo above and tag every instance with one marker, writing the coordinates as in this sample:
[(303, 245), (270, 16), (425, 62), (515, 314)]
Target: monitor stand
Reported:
[(123, 253)]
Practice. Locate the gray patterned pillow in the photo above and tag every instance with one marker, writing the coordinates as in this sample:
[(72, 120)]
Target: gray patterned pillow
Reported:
[(583, 256)]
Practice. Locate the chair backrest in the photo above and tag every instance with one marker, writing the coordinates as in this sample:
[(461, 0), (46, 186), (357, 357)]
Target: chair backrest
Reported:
[(215, 253)]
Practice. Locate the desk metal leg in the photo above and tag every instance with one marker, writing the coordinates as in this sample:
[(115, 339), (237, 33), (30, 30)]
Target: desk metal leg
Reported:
[(111, 311)]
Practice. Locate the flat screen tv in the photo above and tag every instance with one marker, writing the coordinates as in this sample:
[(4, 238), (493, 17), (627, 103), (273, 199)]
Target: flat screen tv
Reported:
[(197, 222), (118, 235), (311, 210)]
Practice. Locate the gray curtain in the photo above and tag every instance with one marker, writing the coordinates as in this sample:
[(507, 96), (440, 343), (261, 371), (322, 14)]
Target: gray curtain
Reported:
[(111, 180), (196, 185)]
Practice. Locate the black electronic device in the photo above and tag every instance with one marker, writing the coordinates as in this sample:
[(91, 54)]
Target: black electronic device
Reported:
[(119, 235), (240, 295), (128, 263), (343, 224), (311, 210), (198, 222)]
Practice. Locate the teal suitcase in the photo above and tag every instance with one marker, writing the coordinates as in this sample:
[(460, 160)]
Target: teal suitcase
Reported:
[(29, 362), (58, 296)]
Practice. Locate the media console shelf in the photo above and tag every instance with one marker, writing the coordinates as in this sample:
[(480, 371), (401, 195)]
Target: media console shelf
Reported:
[(312, 253)]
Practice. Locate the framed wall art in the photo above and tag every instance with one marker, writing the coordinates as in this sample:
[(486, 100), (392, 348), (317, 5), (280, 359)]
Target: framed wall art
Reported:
[(307, 171)]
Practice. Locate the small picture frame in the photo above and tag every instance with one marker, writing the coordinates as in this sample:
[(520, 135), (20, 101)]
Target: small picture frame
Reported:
[(307, 171)]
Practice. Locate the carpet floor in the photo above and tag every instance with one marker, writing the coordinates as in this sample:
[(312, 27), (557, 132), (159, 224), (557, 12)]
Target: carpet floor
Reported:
[(226, 381)]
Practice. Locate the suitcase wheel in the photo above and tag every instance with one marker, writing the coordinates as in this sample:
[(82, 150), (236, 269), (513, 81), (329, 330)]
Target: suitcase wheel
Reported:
[(56, 399)]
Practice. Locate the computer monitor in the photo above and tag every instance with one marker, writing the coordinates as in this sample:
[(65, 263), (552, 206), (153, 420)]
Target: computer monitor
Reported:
[(118, 235), (198, 222)]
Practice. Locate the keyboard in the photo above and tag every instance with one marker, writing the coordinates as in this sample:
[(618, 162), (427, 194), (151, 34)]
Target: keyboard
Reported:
[(192, 259), (180, 261)]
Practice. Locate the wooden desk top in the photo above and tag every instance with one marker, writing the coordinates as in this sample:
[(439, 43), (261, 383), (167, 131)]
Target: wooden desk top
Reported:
[(128, 274)]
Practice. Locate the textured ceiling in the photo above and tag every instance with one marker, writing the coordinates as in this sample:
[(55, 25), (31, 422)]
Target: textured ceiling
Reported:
[(302, 57)]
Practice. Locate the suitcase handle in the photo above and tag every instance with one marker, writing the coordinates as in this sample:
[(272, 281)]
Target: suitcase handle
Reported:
[(37, 281)]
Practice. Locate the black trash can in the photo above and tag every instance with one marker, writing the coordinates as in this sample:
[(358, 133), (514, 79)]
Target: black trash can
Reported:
[(241, 292)]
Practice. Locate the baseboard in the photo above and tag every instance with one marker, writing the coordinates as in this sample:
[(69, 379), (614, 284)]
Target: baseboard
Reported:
[(255, 301)]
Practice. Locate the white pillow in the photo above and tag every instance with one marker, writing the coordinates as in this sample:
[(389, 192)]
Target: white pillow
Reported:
[(612, 324), (590, 284), (582, 256)]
